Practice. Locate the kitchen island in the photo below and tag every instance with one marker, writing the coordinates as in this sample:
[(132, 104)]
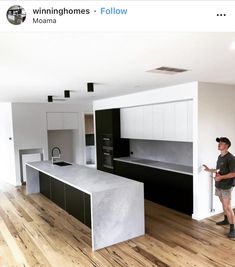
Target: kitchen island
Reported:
[(116, 204)]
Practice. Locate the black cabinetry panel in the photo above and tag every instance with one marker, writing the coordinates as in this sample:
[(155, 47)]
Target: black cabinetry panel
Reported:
[(74, 201), (108, 141), (78, 204), (58, 192), (168, 188), (105, 120), (45, 184)]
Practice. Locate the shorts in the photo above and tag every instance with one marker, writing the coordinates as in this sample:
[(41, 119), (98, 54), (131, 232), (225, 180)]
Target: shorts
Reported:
[(224, 193)]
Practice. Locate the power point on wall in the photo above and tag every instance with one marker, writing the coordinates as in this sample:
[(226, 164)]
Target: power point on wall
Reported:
[(132, 153)]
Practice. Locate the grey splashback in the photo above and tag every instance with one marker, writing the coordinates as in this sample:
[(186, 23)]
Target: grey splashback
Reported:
[(64, 140), (165, 151)]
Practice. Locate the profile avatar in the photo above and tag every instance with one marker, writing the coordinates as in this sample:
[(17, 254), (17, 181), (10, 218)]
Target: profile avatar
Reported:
[(16, 15)]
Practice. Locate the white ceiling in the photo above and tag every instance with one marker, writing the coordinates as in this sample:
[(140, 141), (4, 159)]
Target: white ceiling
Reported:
[(34, 65)]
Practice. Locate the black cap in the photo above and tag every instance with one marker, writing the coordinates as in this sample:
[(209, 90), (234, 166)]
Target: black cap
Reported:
[(224, 140)]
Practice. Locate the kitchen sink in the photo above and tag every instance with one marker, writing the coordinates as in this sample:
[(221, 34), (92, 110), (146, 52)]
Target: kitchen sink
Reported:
[(62, 163)]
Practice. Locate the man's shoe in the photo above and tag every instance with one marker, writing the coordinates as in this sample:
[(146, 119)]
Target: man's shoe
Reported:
[(224, 222), (231, 234)]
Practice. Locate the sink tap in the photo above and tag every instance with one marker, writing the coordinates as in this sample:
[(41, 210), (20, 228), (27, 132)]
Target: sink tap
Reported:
[(52, 154)]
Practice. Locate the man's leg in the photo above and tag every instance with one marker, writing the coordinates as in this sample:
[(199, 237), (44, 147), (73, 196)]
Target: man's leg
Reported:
[(226, 202), (225, 220)]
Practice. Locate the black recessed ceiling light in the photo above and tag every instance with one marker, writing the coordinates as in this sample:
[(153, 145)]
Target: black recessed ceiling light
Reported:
[(90, 87), (67, 93), (50, 98)]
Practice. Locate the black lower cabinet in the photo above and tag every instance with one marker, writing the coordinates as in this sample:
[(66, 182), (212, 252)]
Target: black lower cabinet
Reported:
[(78, 204), (168, 188), (58, 192), (74, 201), (45, 184)]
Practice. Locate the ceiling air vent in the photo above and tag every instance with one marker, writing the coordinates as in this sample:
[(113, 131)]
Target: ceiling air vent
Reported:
[(167, 70)]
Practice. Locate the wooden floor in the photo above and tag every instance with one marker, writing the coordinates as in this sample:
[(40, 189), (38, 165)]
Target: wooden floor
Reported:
[(35, 232)]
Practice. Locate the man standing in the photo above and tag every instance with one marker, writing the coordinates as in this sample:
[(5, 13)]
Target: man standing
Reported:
[(224, 182)]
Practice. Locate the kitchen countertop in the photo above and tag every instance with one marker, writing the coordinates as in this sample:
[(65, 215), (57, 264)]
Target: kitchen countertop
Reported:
[(117, 203), (89, 180), (158, 164)]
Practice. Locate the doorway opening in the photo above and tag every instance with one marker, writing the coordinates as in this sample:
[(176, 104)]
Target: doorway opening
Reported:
[(89, 140)]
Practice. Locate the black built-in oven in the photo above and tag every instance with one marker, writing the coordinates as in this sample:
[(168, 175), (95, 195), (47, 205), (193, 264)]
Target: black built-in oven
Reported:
[(107, 140), (108, 157), (107, 151)]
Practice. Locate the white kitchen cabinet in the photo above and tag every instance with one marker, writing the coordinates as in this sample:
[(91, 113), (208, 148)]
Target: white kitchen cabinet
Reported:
[(157, 122), (54, 121), (125, 121), (181, 121), (137, 129), (190, 121), (147, 128), (132, 123), (178, 121), (169, 123), (70, 121), (62, 121)]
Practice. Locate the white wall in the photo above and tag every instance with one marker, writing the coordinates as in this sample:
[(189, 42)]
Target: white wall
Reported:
[(7, 159), (216, 117), (30, 128), (161, 95)]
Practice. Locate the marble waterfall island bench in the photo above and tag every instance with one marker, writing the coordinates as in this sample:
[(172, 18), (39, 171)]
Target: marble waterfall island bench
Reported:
[(111, 205)]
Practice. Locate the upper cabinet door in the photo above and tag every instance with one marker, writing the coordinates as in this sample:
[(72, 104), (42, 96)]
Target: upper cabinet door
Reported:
[(125, 121), (70, 121), (147, 122), (158, 122), (181, 121), (169, 122), (137, 122), (132, 123), (190, 121), (62, 121), (54, 121)]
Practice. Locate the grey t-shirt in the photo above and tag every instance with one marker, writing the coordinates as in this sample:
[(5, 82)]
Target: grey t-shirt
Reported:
[(226, 164)]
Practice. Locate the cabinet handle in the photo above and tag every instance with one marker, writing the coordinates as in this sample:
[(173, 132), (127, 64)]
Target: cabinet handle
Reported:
[(106, 139), (107, 154)]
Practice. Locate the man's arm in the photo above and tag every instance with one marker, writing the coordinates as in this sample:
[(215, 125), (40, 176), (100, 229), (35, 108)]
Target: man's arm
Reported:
[(219, 177), (229, 175), (207, 169)]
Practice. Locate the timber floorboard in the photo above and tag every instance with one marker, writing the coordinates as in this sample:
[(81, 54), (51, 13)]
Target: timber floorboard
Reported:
[(36, 232)]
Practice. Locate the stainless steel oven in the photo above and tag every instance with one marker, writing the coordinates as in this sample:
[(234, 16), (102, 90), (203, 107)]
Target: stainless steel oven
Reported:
[(107, 157), (107, 140)]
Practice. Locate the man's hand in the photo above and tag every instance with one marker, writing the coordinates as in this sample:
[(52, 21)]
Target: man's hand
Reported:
[(207, 169), (218, 177)]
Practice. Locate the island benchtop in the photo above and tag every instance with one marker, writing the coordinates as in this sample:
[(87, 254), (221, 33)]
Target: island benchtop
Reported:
[(116, 203), (86, 179)]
